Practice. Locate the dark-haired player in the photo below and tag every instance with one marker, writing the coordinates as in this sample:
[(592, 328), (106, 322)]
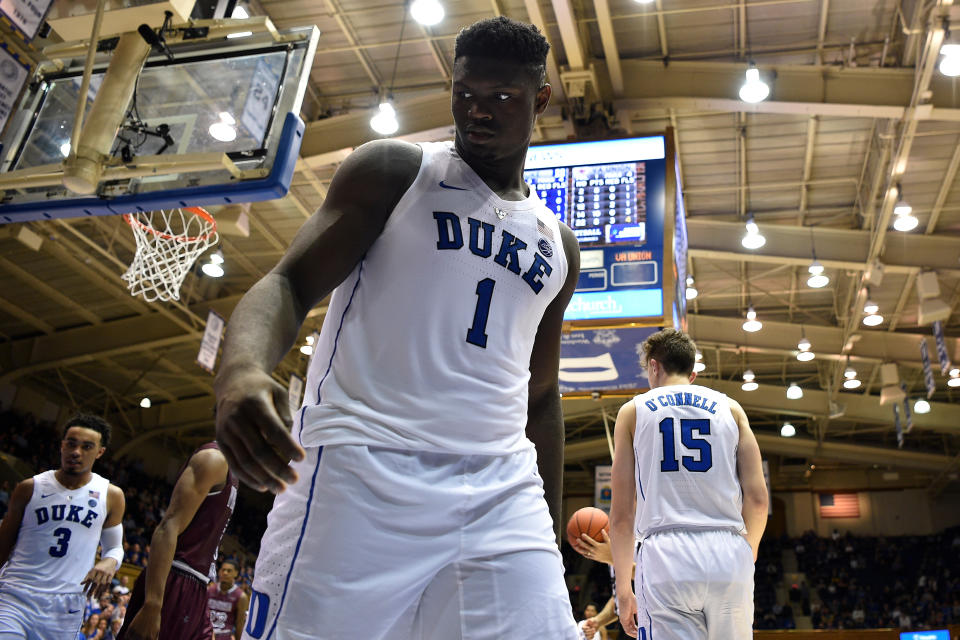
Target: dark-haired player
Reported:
[(433, 394), (169, 598), (49, 538), (688, 483), (228, 603)]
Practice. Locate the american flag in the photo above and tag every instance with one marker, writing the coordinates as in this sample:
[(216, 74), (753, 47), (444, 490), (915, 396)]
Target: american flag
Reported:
[(839, 505), (95, 495)]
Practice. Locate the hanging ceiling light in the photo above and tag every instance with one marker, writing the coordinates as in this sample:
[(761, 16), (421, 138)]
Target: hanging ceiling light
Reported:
[(850, 374), (698, 366), (794, 392), (904, 220), (307, 349), (145, 403), (950, 65), (752, 239), (427, 12), (954, 372), (817, 279), (214, 268), (851, 383), (873, 319), (788, 430), (754, 89), (752, 324), (805, 354), (691, 290), (749, 382), (224, 128), (921, 406), (871, 306), (385, 121), (954, 380)]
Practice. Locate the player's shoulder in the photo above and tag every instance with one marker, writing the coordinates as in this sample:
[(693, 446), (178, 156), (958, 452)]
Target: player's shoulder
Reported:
[(395, 158), (25, 487)]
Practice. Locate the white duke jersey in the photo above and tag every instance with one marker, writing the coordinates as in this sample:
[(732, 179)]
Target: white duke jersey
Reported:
[(685, 445), (426, 345), (59, 536)]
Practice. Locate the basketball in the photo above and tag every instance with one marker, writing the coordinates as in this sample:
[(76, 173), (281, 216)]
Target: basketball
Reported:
[(588, 520)]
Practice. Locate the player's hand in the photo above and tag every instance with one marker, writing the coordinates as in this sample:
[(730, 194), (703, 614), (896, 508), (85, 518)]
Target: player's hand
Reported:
[(99, 577), (627, 606), (146, 624), (597, 551), (589, 627), (253, 429)]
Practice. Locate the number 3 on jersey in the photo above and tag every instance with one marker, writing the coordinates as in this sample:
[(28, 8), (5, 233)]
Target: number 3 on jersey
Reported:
[(477, 333), (687, 428)]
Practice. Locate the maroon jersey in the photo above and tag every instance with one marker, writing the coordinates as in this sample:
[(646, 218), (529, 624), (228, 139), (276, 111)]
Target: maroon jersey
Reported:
[(223, 610), (197, 545)]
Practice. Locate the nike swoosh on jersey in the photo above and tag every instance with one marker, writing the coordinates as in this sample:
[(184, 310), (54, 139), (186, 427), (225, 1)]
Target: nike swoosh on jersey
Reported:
[(447, 186), (77, 611), (46, 495)]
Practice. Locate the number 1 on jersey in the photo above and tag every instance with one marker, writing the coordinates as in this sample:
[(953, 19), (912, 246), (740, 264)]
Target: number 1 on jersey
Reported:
[(477, 333)]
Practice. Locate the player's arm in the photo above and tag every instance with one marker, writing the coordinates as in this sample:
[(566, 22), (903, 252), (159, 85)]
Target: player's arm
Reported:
[(622, 512), (99, 577), (10, 525), (544, 413), (599, 622), (253, 418), (750, 471), (205, 471), (241, 613)]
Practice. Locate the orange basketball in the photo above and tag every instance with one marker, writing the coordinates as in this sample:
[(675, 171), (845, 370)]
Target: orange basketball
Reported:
[(588, 520)]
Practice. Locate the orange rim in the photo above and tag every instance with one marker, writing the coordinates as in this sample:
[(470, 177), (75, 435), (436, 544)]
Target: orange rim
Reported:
[(197, 211)]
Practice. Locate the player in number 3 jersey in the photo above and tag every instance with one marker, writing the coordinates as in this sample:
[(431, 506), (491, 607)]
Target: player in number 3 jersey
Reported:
[(49, 538), (688, 483)]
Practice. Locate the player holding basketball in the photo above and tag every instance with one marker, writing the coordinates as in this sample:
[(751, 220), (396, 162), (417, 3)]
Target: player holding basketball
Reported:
[(418, 499), (685, 455), (228, 603), (49, 538), (169, 598)]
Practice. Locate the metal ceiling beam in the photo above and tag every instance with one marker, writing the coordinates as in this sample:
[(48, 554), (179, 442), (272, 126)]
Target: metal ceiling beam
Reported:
[(597, 448), (21, 314), (872, 345), (535, 15), (946, 185), (609, 40), (836, 248), (45, 289), (567, 23), (347, 30)]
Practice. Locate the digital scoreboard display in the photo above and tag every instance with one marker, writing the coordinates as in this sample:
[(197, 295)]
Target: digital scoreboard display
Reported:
[(604, 191)]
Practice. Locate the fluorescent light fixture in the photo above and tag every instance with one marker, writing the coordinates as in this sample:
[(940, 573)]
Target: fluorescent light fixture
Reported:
[(753, 239), (873, 319), (385, 122), (752, 324), (754, 89), (788, 430), (950, 65), (817, 278), (145, 403), (213, 270), (852, 383), (921, 406), (794, 392), (223, 129), (427, 12)]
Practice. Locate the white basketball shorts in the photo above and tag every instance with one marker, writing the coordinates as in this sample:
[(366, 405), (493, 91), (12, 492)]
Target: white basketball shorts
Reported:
[(375, 543), (33, 615), (693, 585)]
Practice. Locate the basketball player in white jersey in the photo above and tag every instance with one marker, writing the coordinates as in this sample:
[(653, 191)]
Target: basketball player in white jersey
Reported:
[(49, 538), (432, 395), (688, 483)]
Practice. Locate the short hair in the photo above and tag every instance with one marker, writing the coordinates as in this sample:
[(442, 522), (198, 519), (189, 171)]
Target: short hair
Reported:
[(504, 39), (89, 421), (236, 566), (674, 350)]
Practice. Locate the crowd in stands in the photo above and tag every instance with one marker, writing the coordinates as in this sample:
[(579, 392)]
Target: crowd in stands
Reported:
[(906, 582)]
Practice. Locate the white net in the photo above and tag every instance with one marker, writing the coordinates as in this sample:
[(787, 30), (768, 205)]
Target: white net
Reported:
[(168, 243)]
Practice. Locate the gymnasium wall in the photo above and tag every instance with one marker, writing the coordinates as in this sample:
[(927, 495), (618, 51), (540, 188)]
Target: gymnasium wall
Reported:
[(887, 513)]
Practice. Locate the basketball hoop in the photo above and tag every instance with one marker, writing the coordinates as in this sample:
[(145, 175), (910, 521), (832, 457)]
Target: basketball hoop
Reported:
[(168, 243)]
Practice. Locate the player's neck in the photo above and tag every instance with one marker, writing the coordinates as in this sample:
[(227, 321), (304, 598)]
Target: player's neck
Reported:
[(225, 589), (504, 175), (72, 480), (672, 381)]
